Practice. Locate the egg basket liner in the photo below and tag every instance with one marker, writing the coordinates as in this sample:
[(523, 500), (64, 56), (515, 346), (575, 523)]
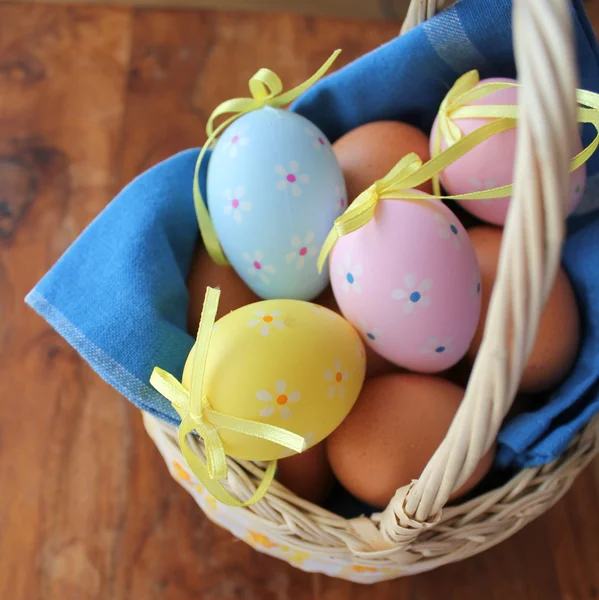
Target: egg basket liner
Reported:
[(415, 532), (314, 539)]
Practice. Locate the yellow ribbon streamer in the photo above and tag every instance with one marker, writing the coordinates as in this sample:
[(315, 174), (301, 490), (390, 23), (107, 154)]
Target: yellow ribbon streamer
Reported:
[(197, 415), (410, 172), (266, 89)]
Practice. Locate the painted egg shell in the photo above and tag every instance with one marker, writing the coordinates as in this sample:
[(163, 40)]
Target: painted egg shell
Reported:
[(491, 163), (409, 281), (288, 363), (274, 189)]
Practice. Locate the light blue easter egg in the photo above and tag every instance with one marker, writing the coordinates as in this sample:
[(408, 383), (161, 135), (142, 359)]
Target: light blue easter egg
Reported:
[(274, 190)]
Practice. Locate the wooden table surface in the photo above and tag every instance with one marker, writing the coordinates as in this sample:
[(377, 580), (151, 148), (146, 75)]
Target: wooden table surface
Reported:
[(90, 97)]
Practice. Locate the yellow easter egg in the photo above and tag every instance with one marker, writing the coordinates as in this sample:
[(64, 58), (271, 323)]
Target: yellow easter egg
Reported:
[(286, 363)]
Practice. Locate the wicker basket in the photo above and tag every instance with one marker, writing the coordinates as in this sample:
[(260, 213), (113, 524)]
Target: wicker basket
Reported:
[(413, 534)]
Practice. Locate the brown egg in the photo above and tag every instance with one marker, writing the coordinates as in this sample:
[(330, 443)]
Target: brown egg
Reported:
[(370, 151), (205, 272), (308, 474), (375, 364), (558, 337), (394, 428)]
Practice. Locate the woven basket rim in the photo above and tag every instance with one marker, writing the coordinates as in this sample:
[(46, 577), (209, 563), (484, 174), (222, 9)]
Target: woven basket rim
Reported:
[(463, 530)]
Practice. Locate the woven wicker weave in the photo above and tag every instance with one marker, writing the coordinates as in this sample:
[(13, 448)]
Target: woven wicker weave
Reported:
[(414, 533)]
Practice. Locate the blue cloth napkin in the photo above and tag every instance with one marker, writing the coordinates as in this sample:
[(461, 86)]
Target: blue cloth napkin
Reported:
[(118, 294)]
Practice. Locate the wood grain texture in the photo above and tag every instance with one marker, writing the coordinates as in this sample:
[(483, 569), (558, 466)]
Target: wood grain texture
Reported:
[(365, 9), (90, 97), (62, 85), (183, 64)]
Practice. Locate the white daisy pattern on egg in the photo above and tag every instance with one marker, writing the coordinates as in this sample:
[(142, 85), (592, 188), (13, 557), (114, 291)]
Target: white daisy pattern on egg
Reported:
[(257, 267), (235, 206), (318, 140), (435, 347), (480, 186), (236, 140), (414, 295), (337, 377), (291, 177), (371, 333), (448, 230), (267, 321), (350, 275), (310, 440), (302, 249), (280, 400)]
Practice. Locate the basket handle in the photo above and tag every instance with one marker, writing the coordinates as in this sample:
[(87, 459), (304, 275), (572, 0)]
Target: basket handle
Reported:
[(529, 259)]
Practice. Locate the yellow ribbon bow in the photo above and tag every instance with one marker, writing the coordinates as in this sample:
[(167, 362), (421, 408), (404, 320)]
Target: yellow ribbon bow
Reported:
[(410, 171), (362, 209), (266, 89), (457, 104), (197, 415)]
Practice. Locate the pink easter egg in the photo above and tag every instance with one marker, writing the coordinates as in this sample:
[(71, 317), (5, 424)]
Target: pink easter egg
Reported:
[(409, 282), (491, 163)]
